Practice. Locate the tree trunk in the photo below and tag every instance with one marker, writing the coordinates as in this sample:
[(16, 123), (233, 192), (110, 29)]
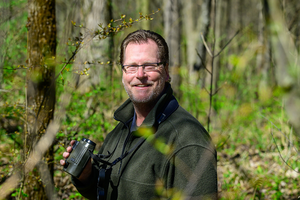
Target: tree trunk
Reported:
[(5, 12), (192, 29), (240, 16), (219, 15), (110, 42), (172, 34), (205, 23), (228, 31), (143, 7), (93, 13), (286, 57), (263, 60), (41, 48)]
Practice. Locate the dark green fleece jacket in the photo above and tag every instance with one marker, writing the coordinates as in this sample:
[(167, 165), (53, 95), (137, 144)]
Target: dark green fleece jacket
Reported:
[(176, 159)]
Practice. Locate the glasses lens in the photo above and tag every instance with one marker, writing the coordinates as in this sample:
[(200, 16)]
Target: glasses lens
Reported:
[(130, 69), (149, 67)]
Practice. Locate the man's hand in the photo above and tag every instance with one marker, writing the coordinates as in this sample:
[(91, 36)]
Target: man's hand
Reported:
[(86, 173)]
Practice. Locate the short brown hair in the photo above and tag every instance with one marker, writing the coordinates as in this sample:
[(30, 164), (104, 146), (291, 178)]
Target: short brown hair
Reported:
[(142, 36)]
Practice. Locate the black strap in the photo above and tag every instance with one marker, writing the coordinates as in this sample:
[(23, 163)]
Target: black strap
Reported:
[(137, 145), (103, 182), (104, 174), (98, 159), (170, 108)]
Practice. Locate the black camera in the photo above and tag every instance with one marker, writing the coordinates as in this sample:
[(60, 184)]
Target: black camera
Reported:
[(79, 157)]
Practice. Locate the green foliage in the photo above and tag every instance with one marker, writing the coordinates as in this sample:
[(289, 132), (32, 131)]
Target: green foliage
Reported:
[(19, 192), (249, 125), (81, 121), (74, 196)]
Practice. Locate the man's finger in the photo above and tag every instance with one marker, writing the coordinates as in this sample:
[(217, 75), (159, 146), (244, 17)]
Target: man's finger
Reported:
[(62, 162), (66, 154)]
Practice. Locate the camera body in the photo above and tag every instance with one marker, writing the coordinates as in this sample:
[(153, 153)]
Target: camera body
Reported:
[(79, 157)]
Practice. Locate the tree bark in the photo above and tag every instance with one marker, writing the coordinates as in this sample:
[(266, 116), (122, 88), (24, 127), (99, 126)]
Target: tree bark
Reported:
[(41, 48), (172, 34), (205, 23), (264, 60), (93, 13), (5, 12), (143, 7), (220, 19), (192, 28)]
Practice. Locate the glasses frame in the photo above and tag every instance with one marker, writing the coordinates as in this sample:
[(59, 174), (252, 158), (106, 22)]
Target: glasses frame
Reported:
[(143, 66)]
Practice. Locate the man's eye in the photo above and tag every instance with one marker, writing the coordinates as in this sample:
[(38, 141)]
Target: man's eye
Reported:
[(149, 67), (131, 68)]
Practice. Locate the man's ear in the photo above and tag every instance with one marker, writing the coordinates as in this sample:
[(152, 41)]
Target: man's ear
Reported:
[(168, 78)]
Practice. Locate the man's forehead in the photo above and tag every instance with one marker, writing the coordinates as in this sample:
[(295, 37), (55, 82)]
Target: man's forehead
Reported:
[(139, 42)]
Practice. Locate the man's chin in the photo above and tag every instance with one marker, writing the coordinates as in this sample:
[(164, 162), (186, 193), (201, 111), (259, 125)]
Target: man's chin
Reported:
[(140, 100)]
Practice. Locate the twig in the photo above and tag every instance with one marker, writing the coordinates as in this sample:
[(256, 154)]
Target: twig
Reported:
[(202, 62), (207, 48), (207, 91), (219, 88), (227, 44)]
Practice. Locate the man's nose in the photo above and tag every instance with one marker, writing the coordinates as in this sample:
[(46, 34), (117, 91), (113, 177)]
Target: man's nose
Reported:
[(140, 72)]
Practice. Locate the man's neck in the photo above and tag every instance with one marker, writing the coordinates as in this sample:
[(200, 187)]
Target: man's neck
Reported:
[(141, 111)]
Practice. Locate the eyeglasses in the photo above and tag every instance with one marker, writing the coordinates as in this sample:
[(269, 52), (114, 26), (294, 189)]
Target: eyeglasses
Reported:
[(148, 67)]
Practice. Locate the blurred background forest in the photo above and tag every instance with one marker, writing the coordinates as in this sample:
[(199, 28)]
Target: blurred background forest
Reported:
[(234, 66)]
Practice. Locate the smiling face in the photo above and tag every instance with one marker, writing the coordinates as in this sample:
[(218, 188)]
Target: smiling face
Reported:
[(144, 87)]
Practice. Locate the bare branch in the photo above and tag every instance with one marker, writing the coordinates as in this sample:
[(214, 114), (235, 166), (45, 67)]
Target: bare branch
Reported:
[(227, 43), (219, 88), (207, 48), (207, 91), (202, 62)]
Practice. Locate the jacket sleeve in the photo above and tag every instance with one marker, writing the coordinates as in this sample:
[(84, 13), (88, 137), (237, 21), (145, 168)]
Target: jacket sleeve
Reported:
[(89, 191), (192, 170)]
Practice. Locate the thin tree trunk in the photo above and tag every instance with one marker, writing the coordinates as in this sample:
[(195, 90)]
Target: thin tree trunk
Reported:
[(205, 23), (220, 16), (263, 60), (227, 30), (172, 34), (111, 52), (240, 16)]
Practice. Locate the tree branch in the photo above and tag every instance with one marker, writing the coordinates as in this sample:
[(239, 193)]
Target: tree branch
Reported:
[(207, 48), (227, 44)]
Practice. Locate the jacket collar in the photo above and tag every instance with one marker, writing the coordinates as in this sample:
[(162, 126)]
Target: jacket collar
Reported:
[(126, 111)]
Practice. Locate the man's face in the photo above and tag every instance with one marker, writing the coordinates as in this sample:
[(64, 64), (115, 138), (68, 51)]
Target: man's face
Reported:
[(144, 87)]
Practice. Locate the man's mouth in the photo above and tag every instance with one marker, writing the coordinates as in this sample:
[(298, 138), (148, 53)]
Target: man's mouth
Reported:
[(142, 85)]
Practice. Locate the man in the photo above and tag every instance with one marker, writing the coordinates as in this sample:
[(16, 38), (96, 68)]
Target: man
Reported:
[(158, 150)]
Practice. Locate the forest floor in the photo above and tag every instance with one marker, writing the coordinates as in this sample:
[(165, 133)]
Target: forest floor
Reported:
[(245, 173)]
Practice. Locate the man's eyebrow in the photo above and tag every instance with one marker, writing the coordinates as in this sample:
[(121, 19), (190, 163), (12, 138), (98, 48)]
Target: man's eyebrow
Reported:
[(147, 62)]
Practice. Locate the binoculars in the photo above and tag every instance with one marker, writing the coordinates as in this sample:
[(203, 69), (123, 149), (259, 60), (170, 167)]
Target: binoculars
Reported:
[(79, 157)]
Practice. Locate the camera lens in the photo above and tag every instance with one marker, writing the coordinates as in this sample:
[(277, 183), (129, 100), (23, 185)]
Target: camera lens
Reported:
[(88, 141)]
